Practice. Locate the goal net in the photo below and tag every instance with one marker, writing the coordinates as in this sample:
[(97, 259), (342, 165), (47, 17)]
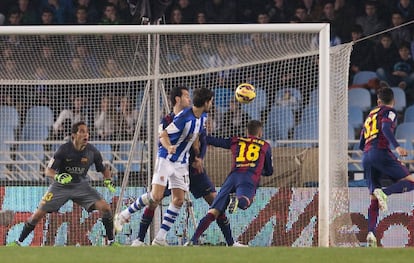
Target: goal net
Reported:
[(117, 80)]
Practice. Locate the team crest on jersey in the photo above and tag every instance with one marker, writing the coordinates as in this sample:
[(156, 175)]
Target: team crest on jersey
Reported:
[(84, 160)]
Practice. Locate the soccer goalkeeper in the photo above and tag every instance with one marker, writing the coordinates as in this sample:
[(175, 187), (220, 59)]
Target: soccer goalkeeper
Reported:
[(68, 168)]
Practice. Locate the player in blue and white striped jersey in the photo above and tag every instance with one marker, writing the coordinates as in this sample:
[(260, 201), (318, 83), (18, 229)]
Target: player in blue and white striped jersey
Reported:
[(173, 158)]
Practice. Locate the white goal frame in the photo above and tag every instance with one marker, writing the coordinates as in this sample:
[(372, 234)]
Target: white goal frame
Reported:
[(323, 29)]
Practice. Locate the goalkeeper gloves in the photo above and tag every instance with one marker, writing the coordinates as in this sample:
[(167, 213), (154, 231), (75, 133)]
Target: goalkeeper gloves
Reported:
[(63, 178), (108, 184)]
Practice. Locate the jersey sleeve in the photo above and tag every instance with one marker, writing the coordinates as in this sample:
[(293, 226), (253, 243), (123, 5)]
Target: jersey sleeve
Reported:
[(362, 140), (56, 160), (98, 161), (268, 163), (389, 119), (219, 142), (203, 144)]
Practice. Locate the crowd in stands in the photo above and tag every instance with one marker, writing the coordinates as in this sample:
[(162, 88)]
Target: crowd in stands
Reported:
[(388, 54)]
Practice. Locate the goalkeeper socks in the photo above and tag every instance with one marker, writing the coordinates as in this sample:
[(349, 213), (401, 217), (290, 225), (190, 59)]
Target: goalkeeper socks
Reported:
[(399, 187), (108, 222), (168, 220), (146, 220), (205, 222), (373, 211), (27, 229), (224, 224)]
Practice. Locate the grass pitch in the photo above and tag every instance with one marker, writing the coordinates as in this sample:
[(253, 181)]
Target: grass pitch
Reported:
[(202, 254)]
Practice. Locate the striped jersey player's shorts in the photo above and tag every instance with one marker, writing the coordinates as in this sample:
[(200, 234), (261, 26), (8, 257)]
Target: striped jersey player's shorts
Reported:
[(175, 173), (57, 195)]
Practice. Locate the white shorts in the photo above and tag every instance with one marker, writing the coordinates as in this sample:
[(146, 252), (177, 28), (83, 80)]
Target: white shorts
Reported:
[(176, 174)]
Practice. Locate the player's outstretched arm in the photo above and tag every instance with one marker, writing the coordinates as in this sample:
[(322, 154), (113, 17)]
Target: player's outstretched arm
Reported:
[(219, 142)]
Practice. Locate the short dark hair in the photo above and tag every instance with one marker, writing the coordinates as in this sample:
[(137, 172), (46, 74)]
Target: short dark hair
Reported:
[(75, 126), (356, 28), (253, 127), (201, 96), (385, 94), (176, 92)]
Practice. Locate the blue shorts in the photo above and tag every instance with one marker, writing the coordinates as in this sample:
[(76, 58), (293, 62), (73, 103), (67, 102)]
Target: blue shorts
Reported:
[(200, 185), (382, 164), (241, 184)]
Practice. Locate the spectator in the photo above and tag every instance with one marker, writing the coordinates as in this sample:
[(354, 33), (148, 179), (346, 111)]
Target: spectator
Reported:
[(233, 122), (176, 16), (79, 68), (111, 69), (122, 9), (91, 9), (385, 54), (201, 18), (61, 9), (263, 18), (300, 12), (401, 34), (362, 53), (344, 19), (280, 11), (406, 8), (110, 15), (81, 16), (46, 17), (106, 120), (187, 11), (67, 117), (14, 18), (370, 21), (402, 73), (28, 15), (128, 118), (48, 60), (313, 8), (82, 51)]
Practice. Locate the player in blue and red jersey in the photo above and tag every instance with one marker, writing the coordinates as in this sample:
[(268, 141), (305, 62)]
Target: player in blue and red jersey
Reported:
[(378, 160), (252, 158)]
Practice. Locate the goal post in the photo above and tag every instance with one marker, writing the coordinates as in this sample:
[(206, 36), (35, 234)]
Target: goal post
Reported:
[(130, 68)]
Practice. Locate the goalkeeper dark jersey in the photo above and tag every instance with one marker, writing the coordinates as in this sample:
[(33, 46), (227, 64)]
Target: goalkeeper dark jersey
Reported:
[(76, 163)]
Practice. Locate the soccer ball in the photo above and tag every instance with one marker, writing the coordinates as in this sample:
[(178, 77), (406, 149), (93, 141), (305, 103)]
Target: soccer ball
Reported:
[(245, 93)]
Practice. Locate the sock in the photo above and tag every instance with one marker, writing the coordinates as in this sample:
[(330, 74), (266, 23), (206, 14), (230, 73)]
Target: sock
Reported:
[(141, 202), (205, 222), (373, 215), (108, 222), (224, 224), (146, 220), (27, 229), (168, 220), (399, 187)]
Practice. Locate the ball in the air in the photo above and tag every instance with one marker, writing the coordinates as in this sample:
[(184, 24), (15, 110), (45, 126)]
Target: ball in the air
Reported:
[(245, 93)]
